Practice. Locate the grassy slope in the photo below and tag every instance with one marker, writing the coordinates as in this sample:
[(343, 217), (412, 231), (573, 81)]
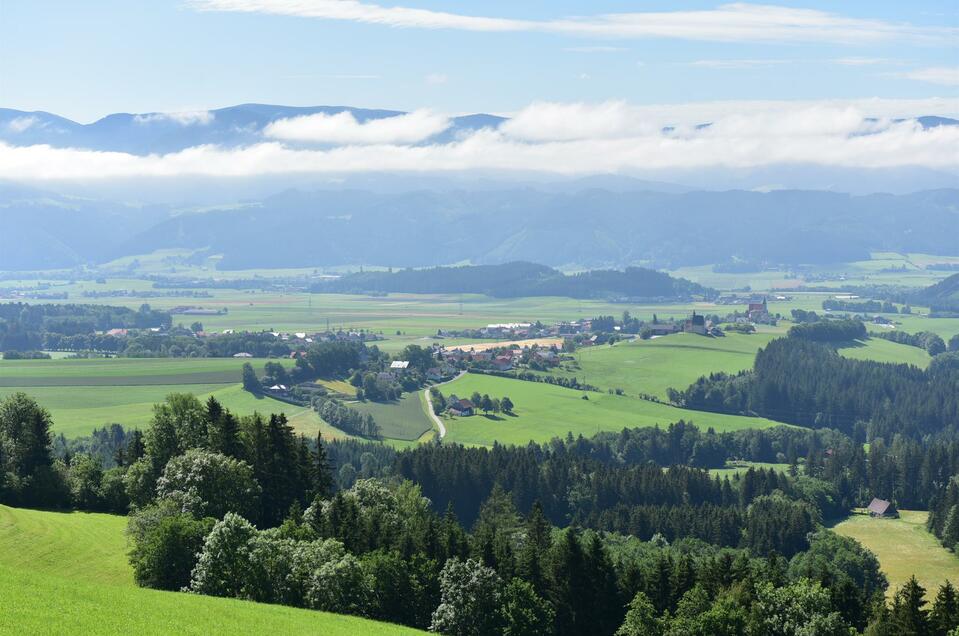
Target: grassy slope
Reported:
[(66, 573), (78, 410), (652, 366), (904, 548), (544, 411), (885, 351), (404, 419)]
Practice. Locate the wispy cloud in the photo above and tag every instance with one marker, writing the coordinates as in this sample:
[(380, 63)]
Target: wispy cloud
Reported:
[(18, 125), (549, 137), (343, 128), (436, 78), (744, 63), (184, 118), (595, 49), (942, 75), (862, 61), (735, 22)]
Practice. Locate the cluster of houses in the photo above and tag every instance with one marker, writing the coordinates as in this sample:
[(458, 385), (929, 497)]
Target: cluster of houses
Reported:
[(503, 359)]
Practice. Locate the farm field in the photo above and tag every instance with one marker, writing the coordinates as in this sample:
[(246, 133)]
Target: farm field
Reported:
[(404, 419), (652, 366), (544, 411), (67, 573), (125, 371), (77, 410), (885, 351), (904, 548)]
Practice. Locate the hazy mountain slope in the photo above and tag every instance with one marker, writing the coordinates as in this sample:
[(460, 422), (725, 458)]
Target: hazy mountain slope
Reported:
[(594, 228)]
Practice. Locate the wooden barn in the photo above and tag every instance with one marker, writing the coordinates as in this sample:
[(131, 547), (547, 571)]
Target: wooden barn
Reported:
[(882, 508)]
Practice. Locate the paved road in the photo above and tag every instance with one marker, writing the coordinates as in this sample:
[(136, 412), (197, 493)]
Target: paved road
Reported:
[(429, 405)]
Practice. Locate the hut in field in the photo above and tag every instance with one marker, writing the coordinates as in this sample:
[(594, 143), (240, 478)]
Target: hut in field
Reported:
[(882, 508)]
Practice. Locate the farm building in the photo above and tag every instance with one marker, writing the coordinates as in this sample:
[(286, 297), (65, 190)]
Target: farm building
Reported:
[(662, 329), (882, 508), (399, 364), (462, 408)]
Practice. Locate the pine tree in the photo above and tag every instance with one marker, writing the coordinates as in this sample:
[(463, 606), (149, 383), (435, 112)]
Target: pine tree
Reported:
[(322, 471), (535, 547), (945, 611), (950, 531), (908, 613)]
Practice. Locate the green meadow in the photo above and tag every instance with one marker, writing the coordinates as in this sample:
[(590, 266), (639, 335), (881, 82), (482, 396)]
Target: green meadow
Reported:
[(886, 351), (544, 411), (904, 547), (67, 573), (85, 394), (652, 366), (404, 419)]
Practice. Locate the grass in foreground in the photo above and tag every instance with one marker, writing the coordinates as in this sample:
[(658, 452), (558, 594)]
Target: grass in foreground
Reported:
[(66, 573), (544, 411), (904, 548)]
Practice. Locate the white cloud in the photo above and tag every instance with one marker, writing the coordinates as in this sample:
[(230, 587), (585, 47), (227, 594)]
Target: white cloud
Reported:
[(613, 137), (942, 75), (436, 78), (183, 118), (729, 22), (343, 128), (21, 124)]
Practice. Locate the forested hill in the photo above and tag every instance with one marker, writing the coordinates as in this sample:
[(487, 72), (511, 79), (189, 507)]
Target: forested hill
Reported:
[(521, 279), (943, 296)]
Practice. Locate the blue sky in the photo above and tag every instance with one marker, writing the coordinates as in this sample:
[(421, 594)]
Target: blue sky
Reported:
[(86, 59)]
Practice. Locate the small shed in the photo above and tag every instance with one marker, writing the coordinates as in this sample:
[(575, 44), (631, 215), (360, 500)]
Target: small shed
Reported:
[(882, 508)]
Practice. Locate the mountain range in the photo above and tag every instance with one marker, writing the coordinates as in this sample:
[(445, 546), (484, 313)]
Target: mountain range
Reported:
[(588, 228)]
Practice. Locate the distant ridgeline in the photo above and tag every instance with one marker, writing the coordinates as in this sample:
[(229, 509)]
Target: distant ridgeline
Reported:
[(594, 227), (521, 279)]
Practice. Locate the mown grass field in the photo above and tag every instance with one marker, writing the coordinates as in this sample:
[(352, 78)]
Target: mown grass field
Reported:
[(904, 548), (544, 411), (67, 573), (885, 351), (403, 419), (125, 371), (652, 366)]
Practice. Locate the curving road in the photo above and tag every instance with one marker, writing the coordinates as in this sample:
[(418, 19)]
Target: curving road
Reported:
[(429, 404)]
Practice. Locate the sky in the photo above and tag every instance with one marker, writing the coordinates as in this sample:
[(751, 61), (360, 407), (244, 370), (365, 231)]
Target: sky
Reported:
[(84, 60), (605, 86)]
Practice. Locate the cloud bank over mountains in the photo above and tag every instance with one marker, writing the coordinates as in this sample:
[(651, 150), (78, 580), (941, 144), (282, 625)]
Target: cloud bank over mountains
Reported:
[(546, 137)]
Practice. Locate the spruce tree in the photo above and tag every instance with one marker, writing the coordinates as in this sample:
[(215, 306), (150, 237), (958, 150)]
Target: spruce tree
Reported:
[(909, 615), (950, 531), (945, 611), (322, 471)]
